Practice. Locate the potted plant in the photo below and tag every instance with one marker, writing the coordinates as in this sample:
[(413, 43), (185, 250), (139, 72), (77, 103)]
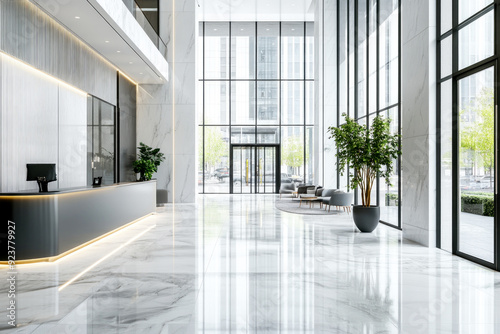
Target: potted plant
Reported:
[(146, 168), (148, 162), (137, 170), (366, 150)]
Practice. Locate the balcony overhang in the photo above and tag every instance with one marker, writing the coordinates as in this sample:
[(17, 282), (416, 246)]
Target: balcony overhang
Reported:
[(109, 28)]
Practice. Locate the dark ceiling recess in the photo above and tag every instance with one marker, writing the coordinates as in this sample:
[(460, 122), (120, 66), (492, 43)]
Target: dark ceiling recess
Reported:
[(151, 9)]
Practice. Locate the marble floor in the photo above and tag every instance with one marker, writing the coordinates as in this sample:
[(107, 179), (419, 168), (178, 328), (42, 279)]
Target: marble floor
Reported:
[(477, 236), (235, 264)]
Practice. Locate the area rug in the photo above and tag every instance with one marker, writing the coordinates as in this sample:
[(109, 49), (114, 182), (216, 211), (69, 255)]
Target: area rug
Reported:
[(292, 206)]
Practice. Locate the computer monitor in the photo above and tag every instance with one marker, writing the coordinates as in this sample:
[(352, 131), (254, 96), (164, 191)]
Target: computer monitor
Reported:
[(42, 173)]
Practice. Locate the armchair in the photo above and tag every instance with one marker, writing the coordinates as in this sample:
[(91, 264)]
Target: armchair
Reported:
[(340, 198), (287, 188), (326, 194)]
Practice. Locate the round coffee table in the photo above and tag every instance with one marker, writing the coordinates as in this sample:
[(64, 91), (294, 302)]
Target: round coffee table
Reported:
[(311, 199)]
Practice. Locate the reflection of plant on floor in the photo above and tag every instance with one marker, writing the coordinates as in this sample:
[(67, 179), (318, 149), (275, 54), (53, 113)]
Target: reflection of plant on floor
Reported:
[(478, 203), (379, 291), (213, 217), (391, 199)]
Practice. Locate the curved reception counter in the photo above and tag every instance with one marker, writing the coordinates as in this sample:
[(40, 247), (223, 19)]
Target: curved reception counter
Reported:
[(47, 226)]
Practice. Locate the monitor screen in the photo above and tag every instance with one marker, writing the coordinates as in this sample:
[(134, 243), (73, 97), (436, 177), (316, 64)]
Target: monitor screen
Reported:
[(41, 170)]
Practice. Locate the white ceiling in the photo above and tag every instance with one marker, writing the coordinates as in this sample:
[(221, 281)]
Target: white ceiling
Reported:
[(256, 10), (84, 21)]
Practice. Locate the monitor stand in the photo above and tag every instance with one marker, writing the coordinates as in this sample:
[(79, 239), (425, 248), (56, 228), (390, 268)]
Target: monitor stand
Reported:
[(42, 185)]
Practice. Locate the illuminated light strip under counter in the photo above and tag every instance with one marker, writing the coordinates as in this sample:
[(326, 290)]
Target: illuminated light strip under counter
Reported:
[(54, 224)]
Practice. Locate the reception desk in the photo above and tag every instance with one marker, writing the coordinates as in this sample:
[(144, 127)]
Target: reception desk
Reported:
[(50, 225)]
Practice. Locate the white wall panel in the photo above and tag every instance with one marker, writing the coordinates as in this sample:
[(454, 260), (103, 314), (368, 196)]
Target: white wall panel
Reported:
[(42, 121), (29, 123), (72, 138)]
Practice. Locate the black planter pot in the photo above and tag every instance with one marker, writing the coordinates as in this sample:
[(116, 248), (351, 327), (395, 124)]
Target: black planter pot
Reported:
[(366, 218)]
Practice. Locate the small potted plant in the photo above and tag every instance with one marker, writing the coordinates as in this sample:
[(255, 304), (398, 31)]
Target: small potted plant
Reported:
[(148, 162), (137, 170), (366, 150), (145, 168)]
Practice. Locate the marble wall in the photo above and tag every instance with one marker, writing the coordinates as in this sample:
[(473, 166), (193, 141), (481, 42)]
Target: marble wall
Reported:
[(418, 121), (328, 84), (166, 114), (42, 121), (318, 94)]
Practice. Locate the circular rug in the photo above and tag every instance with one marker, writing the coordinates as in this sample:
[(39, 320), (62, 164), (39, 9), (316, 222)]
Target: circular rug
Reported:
[(292, 206)]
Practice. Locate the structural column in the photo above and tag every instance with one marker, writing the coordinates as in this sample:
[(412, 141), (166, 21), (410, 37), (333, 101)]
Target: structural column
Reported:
[(418, 80), (166, 114), (326, 86)]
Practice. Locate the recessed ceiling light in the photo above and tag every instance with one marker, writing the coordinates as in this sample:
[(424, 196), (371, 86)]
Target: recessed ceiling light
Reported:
[(106, 41), (215, 29), (293, 29), (130, 62), (118, 51), (77, 17), (140, 73), (267, 29), (242, 29)]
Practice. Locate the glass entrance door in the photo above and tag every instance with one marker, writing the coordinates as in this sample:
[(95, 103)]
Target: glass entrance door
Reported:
[(242, 170), (254, 169), (475, 226)]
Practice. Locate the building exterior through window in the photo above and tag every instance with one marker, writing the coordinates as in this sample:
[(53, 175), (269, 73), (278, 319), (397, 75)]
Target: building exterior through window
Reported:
[(258, 89)]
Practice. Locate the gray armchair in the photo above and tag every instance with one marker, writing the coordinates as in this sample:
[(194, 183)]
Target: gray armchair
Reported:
[(341, 199), (287, 188), (326, 194)]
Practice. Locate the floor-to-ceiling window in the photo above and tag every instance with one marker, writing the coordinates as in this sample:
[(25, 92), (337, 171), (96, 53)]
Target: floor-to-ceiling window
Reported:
[(368, 82), (258, 88), (467, 123)]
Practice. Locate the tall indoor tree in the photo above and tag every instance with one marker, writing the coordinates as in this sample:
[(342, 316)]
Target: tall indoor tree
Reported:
[(366, 151)]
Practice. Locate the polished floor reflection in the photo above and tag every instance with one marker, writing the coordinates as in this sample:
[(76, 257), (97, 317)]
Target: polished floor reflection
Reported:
[(235, 264)]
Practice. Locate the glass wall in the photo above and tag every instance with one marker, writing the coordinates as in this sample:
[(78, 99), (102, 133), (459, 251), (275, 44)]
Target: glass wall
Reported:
[(369, 81), (258, 88), (101, 140), (466, 125)]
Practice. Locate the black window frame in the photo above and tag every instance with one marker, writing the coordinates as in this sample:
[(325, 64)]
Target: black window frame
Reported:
[(378, 110)]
